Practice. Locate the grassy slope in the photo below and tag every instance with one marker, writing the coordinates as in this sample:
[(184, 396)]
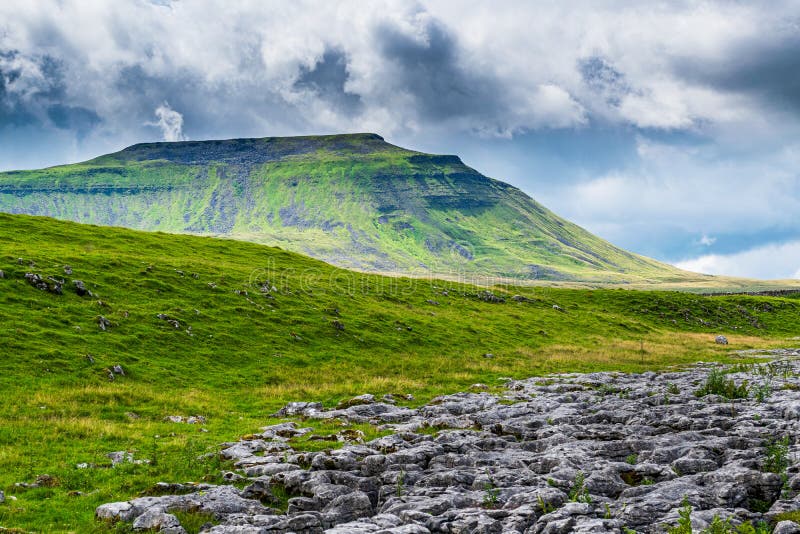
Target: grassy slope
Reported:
[(249, 354), (351, 200)]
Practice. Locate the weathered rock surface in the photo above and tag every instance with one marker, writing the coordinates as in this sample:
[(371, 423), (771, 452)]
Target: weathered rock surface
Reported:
[(599, 452)]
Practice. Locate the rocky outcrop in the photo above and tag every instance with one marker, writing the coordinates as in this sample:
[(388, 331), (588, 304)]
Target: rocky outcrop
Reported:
[(600, 452)]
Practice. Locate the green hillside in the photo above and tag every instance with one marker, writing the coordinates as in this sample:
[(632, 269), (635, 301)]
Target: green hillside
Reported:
[(232, 330), (351, 200)]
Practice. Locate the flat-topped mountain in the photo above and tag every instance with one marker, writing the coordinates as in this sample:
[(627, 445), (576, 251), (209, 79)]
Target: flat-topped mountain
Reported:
[(352, 200)]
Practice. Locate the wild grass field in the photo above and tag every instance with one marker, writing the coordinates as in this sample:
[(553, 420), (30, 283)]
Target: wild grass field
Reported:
[(231, 331)]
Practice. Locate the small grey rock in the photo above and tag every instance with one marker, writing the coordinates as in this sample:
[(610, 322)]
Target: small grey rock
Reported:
[(348, 507), (155, 520), (80, 288), (115, 511), (786, 527)]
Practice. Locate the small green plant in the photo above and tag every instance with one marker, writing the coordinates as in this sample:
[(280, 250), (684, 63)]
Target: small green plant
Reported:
[(717, 384), (719, 526), (491, 495), (673, 389), (632, 459), (759, 505), (724, 526), (684, 525), (546, 508), (579, 492), (788, 516), (400, 483), (762, 392), (777, 455), (608, 389), (647, 481), (760, 527), (154, 452), (607, 514)]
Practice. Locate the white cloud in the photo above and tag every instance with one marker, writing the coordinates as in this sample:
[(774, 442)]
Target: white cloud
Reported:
[(170, 122), (239, 55), (690, 188), (707, 240), (774, 261), (231, 69)]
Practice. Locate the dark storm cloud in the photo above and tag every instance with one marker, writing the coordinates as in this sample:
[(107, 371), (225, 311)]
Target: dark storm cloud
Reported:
[(601, 77), (327, 80), (76, 118), (142, 91), (767, 67), (432, 72), (33, 92), (208, 110)]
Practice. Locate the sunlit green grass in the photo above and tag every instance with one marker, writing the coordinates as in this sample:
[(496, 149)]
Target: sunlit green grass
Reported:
[(247, 353)]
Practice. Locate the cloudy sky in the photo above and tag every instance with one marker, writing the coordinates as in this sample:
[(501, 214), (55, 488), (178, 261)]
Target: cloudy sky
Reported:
[(671, 129)]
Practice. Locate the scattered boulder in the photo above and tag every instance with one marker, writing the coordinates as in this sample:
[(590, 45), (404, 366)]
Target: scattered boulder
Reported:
[(356, 401), (488, 296), (42, 481), (119, 457), (67, 270), (49, 284), (2, 497), (171, 320), (299, 408), (158, 521), (116, 511), (80, 288), (337, 324), (721, 340), (266, 288), (190, 420), (786, 527), (2, 274), (103, 323), (118, 370)]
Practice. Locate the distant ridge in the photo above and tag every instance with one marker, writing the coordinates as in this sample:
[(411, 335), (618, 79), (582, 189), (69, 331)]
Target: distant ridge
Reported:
[(352, 200)]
